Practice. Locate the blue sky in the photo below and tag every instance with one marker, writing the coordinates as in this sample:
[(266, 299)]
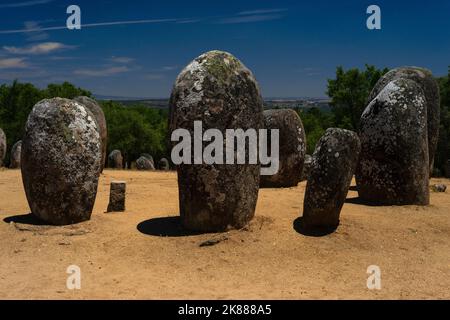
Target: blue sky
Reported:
[(292, 47)]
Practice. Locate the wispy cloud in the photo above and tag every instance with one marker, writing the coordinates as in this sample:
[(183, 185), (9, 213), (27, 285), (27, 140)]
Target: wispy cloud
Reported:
[(124, 60), (170, 68), (250, 18), (41, 48), (261, 11), (153, 76), (35, 33), (101, 72), (97, 24), (12, 63), (24, 4)]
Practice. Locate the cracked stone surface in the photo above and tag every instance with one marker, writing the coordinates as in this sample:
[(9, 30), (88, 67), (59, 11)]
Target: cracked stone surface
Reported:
[(430, 87), (333, 164), (292, 148), (61, 155), (217, 89), (394, 164)]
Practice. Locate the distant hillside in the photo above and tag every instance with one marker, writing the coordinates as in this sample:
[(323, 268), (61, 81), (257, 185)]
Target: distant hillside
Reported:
[(269, 103)]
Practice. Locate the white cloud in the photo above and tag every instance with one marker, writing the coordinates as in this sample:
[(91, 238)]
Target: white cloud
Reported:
[(24, 4), (11, 63), (35, 33), (41, 48), (101, 72), (261, 11), (250, 18)]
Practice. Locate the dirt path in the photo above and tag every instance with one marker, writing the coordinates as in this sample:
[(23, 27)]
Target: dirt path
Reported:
[(142, 253)]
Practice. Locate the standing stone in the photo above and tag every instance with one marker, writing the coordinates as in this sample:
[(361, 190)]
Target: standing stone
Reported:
[(219, 90), (163, 164), (334, 162), (149, 157), (394, 165), (97, 111), (292, 148), (430, 87), (61, 155), (2, 147), (115, 160), (143, 163), (117, 196), (16, 152), (306, 167)]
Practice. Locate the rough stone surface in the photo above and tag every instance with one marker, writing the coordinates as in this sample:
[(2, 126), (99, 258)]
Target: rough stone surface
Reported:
[(292, 148), (61, 155), (306, 167), (2, 147), (117, 196), (439, 187), (149, 157), (115, 160), (430, 87), (143, 163), (219, 90), (97, 111), (394, 166), (163, 164), (16, 152), (334, 162)]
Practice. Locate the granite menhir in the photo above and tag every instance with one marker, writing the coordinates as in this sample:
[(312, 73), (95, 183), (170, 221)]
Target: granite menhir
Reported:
[(61, 160), (217, 89)]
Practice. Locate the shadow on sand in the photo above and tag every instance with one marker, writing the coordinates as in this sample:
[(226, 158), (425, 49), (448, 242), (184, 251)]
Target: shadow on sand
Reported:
[(29, 219), (165, 227), (300, 227)]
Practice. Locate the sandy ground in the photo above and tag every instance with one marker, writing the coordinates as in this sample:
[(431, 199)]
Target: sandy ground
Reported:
[(143, 254)]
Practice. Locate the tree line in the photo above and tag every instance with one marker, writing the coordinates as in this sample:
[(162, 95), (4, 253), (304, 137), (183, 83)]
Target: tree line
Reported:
[(136, 129)]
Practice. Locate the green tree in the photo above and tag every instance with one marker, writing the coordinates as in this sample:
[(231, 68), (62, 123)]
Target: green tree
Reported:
[(349, 93)]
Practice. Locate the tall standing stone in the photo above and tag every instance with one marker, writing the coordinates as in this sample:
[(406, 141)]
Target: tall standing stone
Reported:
[(292, 148), (61, 155), (115, 160), (16, 152), (217, 89), (2, 147), (430, 87), (394, 166), (97, 111), (333, 164)]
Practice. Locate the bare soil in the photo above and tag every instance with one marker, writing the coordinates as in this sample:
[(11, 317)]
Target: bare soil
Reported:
[(144, 254)]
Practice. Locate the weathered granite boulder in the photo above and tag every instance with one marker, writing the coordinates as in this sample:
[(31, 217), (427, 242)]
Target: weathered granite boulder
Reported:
[(149, 157), (334, 162), (16, 152), (292, 148), (164, 164), (97, 111), (430, 87), (2, 147), (394, 166), (117, 196), (61, 155), (306, 167), (217, 89), (115, 160), (143, 163)]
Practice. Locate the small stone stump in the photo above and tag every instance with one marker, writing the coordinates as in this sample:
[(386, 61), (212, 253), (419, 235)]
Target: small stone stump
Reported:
[(117, 196)]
